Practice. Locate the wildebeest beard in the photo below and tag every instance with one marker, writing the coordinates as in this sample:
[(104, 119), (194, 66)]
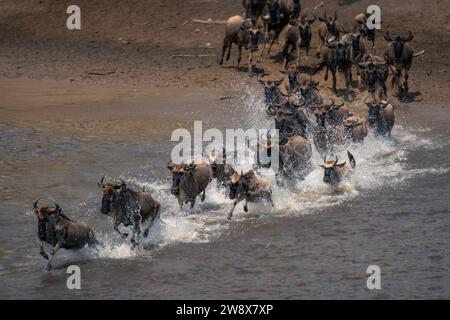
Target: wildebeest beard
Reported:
[(42, 228), (330, 175), (398, 49), (126, 206), (175, 190)]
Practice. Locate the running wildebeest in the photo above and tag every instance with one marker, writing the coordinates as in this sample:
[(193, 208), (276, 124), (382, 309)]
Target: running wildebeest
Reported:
[(290, 8), (399, 55), (250, 188), (294, 154), (381, 116), (355, 129), (128, 207), (285, 91), (333, 172), (297, 36), (241, 32), (329, 27), (361, 23), (374, 73), (335, 55), (253, 8), (189, 181), (221, 170), (58, 230)]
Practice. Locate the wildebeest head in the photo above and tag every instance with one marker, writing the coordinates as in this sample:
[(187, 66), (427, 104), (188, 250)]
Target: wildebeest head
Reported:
[(374, 110), (177, 172), (108, 192), (330, 171), (329, 111), (45, 215), (215, 160), (123, 204), (330, 23), (398, 42), (304, 26), (252, 38), (237, 185)]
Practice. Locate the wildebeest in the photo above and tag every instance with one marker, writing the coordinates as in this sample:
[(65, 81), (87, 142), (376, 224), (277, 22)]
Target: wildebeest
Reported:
[(250, 188), (189, 180), (329, 27), (221, 170), (335, 55), (333, 172), (285, 91), (128, 207), (290, 8), (58, 230), (357, 48), (399, 55), (296, 37), (381, 116), (374, 73), (329, 118), (355, 129), (289, 120), (361, 23), (253, 8), (273, 22), (241, 32)]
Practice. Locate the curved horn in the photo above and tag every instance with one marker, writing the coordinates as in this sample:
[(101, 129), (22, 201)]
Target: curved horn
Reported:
[(57, 207), (35, 204), (410, 36), (335, 16), (101, 183)]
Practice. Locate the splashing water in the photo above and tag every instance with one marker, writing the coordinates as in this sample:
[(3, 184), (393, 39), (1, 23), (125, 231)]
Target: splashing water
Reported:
[(380, 163)]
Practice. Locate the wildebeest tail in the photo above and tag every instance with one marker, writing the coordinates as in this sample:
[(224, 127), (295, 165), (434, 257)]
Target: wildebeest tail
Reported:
[(351, 159)]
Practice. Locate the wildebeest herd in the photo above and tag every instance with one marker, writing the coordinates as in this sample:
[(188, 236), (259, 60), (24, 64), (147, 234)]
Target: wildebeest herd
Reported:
[(303, 116)]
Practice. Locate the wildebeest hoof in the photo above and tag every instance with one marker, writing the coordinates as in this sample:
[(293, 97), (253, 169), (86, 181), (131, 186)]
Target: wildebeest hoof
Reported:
[(245, 208), (229, 217), (48, 267)]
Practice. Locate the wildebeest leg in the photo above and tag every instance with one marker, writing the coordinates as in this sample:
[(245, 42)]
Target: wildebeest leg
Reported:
[(239, 56), (229, 50), (250, 62), (116, 228), (298, 54), (224, 48), (318, 50), (203, 196), (333, 74), (52, 254), (232, 209), (42, 252), (270, 46), (136, 229), (245, 206), (405, 85), (192, 203)]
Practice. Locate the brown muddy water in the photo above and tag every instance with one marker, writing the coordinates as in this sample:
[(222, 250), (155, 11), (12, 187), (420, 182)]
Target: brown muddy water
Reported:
[(316, 243)]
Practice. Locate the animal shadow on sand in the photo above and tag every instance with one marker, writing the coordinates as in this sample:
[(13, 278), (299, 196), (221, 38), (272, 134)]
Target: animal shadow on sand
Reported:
[(410, 97)]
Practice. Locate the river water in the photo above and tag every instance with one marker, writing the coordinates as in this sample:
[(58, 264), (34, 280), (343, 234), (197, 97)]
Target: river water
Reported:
[(316, 242)]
